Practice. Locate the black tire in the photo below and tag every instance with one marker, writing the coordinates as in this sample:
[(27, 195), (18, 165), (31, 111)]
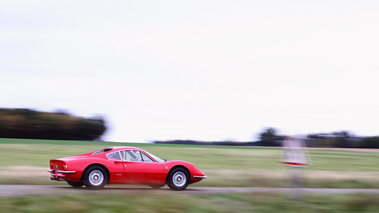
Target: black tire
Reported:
[(75, 184), (156, 186), (95, 177), (178, 179)]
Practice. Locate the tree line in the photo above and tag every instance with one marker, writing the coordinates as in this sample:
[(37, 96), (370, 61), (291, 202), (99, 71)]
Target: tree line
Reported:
[(338, 139), (271, 137), (32, 124)]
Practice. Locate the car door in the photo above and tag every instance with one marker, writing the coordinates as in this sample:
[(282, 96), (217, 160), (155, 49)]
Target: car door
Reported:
[(116, 168), (139, 168)]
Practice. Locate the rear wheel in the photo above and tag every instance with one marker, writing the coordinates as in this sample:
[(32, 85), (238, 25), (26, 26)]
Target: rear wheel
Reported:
[(178, 179), (95, 177), (75, 184)]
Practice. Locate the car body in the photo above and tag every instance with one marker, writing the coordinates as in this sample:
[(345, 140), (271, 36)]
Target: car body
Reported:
[(123, 165)]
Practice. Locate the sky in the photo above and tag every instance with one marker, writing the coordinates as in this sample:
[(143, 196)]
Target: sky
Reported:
[(201, 70)]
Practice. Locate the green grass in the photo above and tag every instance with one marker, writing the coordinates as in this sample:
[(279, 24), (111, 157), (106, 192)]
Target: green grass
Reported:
[(178, 202), (225, 166)]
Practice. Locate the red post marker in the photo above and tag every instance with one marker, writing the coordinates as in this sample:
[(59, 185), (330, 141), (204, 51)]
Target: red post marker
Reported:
[(294, 153), (296, 157)]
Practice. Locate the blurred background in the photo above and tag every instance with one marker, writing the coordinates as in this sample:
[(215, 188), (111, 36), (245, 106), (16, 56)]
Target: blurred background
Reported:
[(199, 70), (189, 73)]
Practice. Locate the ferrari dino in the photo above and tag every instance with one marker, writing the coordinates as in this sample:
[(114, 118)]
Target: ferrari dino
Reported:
[(123, 165)]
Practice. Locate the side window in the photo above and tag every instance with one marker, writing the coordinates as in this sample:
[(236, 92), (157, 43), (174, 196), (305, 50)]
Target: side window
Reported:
[(132, 155), (145, 158), (135, 155), (114, 156)]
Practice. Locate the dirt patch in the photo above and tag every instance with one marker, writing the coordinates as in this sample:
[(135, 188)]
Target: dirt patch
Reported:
[(261, 173), (23, 171), (330, 148), (347, 149), (37, 172), (340, 175)]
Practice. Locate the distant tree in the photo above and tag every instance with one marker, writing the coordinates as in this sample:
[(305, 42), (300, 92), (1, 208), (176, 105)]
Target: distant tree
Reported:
[(370, 142), (25, 123), (342, 139), (269, 137)]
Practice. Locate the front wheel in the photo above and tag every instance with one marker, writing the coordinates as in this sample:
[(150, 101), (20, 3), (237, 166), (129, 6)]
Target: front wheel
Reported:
[(95, 177), (178, 179)]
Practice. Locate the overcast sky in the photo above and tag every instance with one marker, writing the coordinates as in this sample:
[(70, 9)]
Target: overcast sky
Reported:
[(202, 70)]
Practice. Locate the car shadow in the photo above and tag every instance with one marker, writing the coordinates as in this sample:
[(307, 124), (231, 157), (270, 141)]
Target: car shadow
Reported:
[(126, 188)]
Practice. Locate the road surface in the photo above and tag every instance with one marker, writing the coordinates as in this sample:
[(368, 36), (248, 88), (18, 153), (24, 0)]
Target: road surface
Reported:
[(21, 190)]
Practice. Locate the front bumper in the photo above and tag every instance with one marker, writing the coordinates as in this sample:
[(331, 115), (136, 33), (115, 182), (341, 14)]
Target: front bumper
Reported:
[(202, 177)]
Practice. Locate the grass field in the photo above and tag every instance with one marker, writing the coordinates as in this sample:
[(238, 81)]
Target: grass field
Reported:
[(174, 202), (26, 162), (225, 166)]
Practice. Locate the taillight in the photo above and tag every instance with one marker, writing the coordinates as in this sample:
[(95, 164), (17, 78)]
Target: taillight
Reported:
[(51, 166), (64, 167)]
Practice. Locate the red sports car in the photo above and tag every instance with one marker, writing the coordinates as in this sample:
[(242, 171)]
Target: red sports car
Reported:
[(123, 165)]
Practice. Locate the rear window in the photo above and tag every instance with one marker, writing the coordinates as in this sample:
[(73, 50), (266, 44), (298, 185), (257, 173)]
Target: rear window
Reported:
[(114, 156), (102, 151)]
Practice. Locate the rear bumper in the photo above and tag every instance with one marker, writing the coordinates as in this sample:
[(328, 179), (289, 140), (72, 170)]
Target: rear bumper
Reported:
[(59, 175), (57, 178), (62, 172)]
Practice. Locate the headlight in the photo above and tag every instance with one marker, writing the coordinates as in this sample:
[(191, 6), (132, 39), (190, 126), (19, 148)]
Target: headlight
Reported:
[(64, 167)]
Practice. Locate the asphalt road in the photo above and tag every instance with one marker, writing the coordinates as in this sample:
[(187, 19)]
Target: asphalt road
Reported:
[(21, 190)]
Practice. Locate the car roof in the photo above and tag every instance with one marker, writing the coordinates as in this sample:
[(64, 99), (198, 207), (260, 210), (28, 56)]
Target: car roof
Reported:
[(113, 149), (116, 148)]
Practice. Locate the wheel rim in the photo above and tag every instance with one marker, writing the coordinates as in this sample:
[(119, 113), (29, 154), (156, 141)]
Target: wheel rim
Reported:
[(179, 179), (96, 177)]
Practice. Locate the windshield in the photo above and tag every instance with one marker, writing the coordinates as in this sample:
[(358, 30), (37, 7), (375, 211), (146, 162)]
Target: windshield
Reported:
[(155, 157)]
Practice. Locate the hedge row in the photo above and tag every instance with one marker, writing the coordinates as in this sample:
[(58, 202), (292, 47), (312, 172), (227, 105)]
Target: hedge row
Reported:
[(26, 123)]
